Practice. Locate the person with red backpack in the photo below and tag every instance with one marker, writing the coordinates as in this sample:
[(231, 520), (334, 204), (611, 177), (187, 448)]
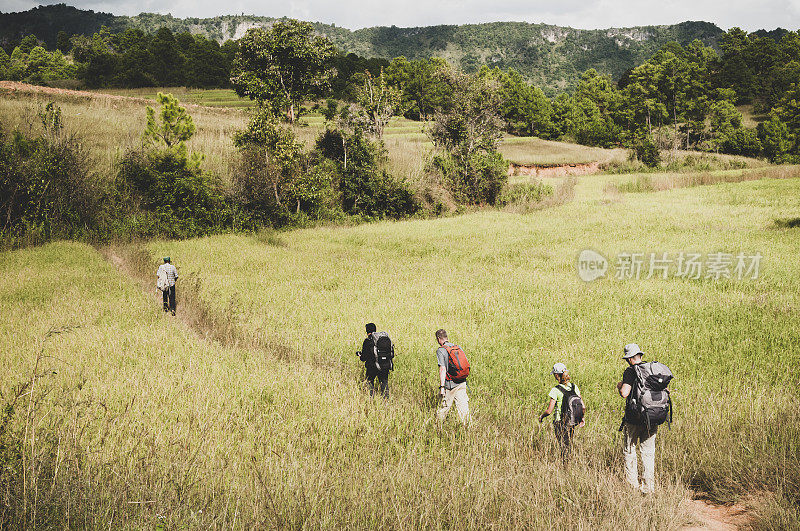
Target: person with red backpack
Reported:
[(453, 372), (567, 404)]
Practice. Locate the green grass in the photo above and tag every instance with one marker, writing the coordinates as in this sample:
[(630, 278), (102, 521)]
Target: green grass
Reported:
[(206, 97), (134, 421)]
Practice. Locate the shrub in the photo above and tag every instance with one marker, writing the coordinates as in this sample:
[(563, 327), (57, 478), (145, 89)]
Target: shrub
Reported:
[(741, 141), (524, 194), (185, 200), (776, 140), (646, 151), (364, 185), (48, 189), (476, 180)]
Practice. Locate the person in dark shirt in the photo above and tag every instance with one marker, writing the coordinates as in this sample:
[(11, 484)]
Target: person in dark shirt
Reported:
[(635, 433), (368, 357)]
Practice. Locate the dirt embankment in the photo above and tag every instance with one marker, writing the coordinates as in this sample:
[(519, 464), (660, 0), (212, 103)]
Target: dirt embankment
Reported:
[(553, 170)]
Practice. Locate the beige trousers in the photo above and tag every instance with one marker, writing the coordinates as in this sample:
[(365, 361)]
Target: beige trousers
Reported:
[(457, 395), (636, 435)]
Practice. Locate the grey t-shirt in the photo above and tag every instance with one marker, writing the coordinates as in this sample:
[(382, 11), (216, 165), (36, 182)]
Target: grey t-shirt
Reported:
[(442, 358)]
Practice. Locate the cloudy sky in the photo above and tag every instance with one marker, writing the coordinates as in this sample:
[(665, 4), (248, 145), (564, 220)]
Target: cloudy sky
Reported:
[(587, 14)]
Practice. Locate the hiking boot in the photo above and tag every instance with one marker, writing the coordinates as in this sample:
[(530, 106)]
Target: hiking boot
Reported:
[(173, 312)]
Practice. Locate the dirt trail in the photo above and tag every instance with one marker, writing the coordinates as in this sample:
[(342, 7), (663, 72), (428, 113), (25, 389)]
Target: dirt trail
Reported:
[(717, 517)]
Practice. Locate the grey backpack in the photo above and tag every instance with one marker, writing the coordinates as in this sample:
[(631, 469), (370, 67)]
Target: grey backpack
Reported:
[(649, 399), (384, 351)]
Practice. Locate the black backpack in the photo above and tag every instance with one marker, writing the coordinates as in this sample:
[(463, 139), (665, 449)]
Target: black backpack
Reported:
[(571, 406), (384, 351), (649, 400)]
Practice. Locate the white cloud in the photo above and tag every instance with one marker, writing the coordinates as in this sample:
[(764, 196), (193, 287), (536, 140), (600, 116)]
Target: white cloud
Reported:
[(587, 14)]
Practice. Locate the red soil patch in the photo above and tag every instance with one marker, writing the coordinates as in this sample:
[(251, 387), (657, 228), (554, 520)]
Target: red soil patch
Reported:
[(717, 517)]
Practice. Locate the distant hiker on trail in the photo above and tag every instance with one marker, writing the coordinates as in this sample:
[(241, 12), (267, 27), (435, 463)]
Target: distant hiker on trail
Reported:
[(166, 277), (644, 386), (377, 353), (567, 404), (453, 372)]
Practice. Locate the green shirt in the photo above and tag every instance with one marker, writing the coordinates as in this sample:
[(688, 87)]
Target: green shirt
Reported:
[(557, 394)]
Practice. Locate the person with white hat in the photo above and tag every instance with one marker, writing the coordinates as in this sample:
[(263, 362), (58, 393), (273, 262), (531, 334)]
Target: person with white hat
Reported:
[(567, 408), (635, 432)]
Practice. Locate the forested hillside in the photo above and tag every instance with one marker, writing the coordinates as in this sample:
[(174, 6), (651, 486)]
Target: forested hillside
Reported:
[(551, 57)]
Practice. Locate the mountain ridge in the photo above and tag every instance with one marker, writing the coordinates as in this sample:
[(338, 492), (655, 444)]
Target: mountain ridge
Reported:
[(553, 57)]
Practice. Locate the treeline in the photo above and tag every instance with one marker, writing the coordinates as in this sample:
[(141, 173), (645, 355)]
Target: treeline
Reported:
[(129, 59), (135, 59), (31, 63), (681, 98)]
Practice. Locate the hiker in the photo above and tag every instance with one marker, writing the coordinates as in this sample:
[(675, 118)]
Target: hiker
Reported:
[(377, 363), (567, 408), (167, 274), (647, 403), (453, 372)]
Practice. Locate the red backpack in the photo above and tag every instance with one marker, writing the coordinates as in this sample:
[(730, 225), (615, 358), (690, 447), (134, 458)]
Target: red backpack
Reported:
[(457, 364)]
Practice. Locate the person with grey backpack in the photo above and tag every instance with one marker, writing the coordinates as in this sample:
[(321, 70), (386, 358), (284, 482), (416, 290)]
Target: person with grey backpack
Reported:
[(647, 405), (567, 408)]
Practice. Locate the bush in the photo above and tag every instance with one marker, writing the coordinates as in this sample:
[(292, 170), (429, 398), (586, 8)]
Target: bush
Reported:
[(646, 151), (740, 141), (525, 194), (364, 185), (48, 189), (476, 180), (185, 201), (776, 140)]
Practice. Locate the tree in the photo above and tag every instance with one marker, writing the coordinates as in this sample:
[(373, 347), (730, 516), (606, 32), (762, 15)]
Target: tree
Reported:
[(378, 102), (167, 60), (525, 109), (5, 62), (423, 93), (280, 151), (63, 43), (282, 66), (468, 134), (775, 140), (174, 125)]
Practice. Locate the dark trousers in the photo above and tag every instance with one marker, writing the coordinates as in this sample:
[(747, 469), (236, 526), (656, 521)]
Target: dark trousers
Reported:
[(383, 379), (564, 435), (168, 295)]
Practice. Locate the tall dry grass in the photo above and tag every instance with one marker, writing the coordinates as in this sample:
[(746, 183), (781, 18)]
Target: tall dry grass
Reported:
[(505, 286), (659, 183), (130, 419)]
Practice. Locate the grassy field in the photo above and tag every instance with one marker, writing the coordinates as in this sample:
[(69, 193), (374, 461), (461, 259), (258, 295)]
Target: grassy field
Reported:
[(135, 420), (248, 411)]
